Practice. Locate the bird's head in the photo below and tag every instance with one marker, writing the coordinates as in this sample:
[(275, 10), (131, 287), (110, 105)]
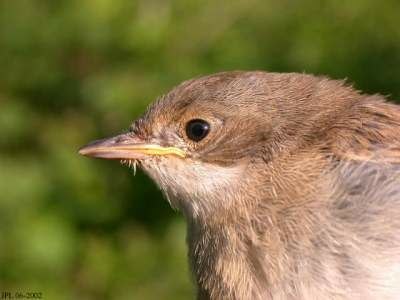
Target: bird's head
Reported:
[(203, 141)]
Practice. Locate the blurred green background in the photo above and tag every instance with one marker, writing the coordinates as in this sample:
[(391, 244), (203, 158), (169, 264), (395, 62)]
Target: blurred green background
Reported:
[(73, 71)]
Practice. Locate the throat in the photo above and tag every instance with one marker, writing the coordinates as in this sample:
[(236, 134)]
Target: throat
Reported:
[(198, 189)]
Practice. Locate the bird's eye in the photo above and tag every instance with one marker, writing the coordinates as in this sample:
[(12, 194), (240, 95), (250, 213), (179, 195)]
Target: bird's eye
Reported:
[(197, 129)]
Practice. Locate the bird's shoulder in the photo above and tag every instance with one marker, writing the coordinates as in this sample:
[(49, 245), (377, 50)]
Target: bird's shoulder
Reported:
[(365, 155), (369, 132), (366, 159)]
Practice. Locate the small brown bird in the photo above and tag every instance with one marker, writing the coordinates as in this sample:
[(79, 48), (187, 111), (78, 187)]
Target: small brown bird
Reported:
[(290, 184)]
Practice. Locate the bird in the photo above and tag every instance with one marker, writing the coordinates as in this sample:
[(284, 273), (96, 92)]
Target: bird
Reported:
[(289, 183)]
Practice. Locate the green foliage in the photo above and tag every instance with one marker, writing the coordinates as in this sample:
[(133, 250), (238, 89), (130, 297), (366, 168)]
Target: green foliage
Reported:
[(73, 71)]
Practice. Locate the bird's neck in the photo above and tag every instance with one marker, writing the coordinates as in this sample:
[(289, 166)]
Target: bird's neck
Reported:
[(236, 258), (217, 260), (240, 251)]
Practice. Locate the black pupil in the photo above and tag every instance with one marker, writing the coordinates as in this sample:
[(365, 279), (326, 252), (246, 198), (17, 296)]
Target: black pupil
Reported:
[(197, 130)]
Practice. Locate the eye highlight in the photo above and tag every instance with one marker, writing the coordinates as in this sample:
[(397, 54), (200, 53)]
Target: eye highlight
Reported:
[(197, 129)]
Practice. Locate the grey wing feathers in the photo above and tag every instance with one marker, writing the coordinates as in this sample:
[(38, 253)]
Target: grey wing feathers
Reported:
[(365, 217)]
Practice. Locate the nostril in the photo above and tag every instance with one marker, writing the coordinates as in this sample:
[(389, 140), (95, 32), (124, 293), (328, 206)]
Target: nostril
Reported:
[(127, 138), (121, 139)]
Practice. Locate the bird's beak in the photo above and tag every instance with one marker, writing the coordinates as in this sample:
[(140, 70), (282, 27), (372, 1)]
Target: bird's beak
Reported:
[(127, 146)]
